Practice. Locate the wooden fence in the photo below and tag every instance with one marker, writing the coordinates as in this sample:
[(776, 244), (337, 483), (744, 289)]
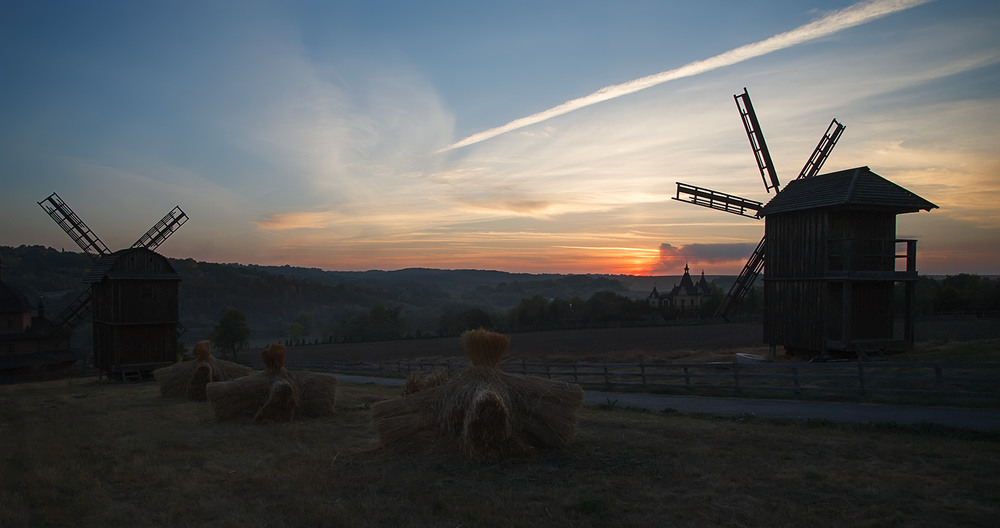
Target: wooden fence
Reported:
[(921, 379)]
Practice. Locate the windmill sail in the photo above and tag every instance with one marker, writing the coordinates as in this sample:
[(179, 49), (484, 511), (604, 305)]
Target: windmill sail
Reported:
[(822, 151), (162, 230), (756, 137), (74, 226), (75, 313), (719, 201)]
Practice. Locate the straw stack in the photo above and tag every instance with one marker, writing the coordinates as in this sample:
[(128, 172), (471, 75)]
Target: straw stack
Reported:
[(483, 411), (275, 394), (416, 383), (187, 379)]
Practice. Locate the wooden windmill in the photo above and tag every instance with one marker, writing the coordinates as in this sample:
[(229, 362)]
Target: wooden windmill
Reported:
[(132, 294), (750, 208)]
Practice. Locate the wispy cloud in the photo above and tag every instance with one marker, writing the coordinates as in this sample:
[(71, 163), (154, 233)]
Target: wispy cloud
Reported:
[(852, 16)]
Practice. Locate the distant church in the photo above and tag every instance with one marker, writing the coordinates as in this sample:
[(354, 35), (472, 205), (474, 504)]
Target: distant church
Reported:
[(686, 297)]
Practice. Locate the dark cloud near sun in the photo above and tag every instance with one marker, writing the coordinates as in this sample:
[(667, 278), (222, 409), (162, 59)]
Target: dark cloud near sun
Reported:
[(672, 257)]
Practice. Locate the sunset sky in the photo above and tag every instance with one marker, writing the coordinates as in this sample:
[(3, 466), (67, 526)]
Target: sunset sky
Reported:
[(529, 136)]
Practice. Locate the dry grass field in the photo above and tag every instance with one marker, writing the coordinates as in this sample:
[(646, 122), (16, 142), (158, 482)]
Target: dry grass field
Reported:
[(79, 452)]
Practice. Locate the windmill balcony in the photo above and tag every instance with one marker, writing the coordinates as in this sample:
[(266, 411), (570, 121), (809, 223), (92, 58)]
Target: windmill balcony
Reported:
[(861, 259)]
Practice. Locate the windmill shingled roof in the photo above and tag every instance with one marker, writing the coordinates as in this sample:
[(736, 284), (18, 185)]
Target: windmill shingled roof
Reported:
[(853, 187), (105, 265)]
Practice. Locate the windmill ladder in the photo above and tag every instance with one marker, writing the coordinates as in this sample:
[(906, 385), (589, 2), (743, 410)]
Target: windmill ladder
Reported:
[(743, 284)]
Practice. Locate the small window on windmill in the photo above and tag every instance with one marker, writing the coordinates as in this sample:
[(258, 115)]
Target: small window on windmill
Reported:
[(146, 291)]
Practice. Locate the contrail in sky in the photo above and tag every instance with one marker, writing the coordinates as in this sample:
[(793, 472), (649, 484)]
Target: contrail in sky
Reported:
[(854, 15)]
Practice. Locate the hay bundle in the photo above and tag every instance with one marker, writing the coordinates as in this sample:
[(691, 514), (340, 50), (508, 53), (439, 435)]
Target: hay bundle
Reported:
[(484, 347), (275, 394), (483, 411), (317, 393), (188, 379), (416, 383)]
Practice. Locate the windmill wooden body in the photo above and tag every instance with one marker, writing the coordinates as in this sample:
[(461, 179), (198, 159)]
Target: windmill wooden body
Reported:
[(132, 294), (834, 264)]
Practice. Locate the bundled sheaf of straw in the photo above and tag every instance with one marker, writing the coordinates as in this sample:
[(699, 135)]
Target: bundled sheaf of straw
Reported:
[(484, 347), (188, 379), (483, 411), (275, 394), (416, 383)]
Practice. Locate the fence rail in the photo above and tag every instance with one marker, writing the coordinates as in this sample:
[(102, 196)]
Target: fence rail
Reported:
[(922, 379)]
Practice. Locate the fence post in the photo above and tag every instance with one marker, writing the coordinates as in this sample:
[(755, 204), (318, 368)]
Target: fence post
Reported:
[(736, 376), (607, 379), (575, 378), (524, 368), (687, 378), (642, 372), (861, 376), (795, 376), (548, 375)]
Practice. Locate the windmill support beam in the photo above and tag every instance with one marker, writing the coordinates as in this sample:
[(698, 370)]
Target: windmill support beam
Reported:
[(719, 201)]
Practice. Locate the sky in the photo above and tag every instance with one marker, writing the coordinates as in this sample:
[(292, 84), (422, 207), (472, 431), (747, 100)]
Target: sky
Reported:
[(536, 136)]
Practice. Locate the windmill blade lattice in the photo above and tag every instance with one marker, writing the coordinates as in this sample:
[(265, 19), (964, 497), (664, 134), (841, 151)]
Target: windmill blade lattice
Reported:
[(162, 229), (757, 143), (74, 227), (822, 151)]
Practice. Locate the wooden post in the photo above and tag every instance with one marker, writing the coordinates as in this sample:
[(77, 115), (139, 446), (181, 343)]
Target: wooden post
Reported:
[(909, 312), (795, 376), (846, 312), (861, 376), (687, 378), (642, 372), (736, 376)]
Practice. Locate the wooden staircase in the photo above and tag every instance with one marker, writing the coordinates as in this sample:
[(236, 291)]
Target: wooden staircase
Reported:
[(744, 283)]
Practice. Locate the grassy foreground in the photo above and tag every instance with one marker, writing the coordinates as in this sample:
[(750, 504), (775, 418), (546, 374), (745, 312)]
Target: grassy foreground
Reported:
[(78, 452)]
